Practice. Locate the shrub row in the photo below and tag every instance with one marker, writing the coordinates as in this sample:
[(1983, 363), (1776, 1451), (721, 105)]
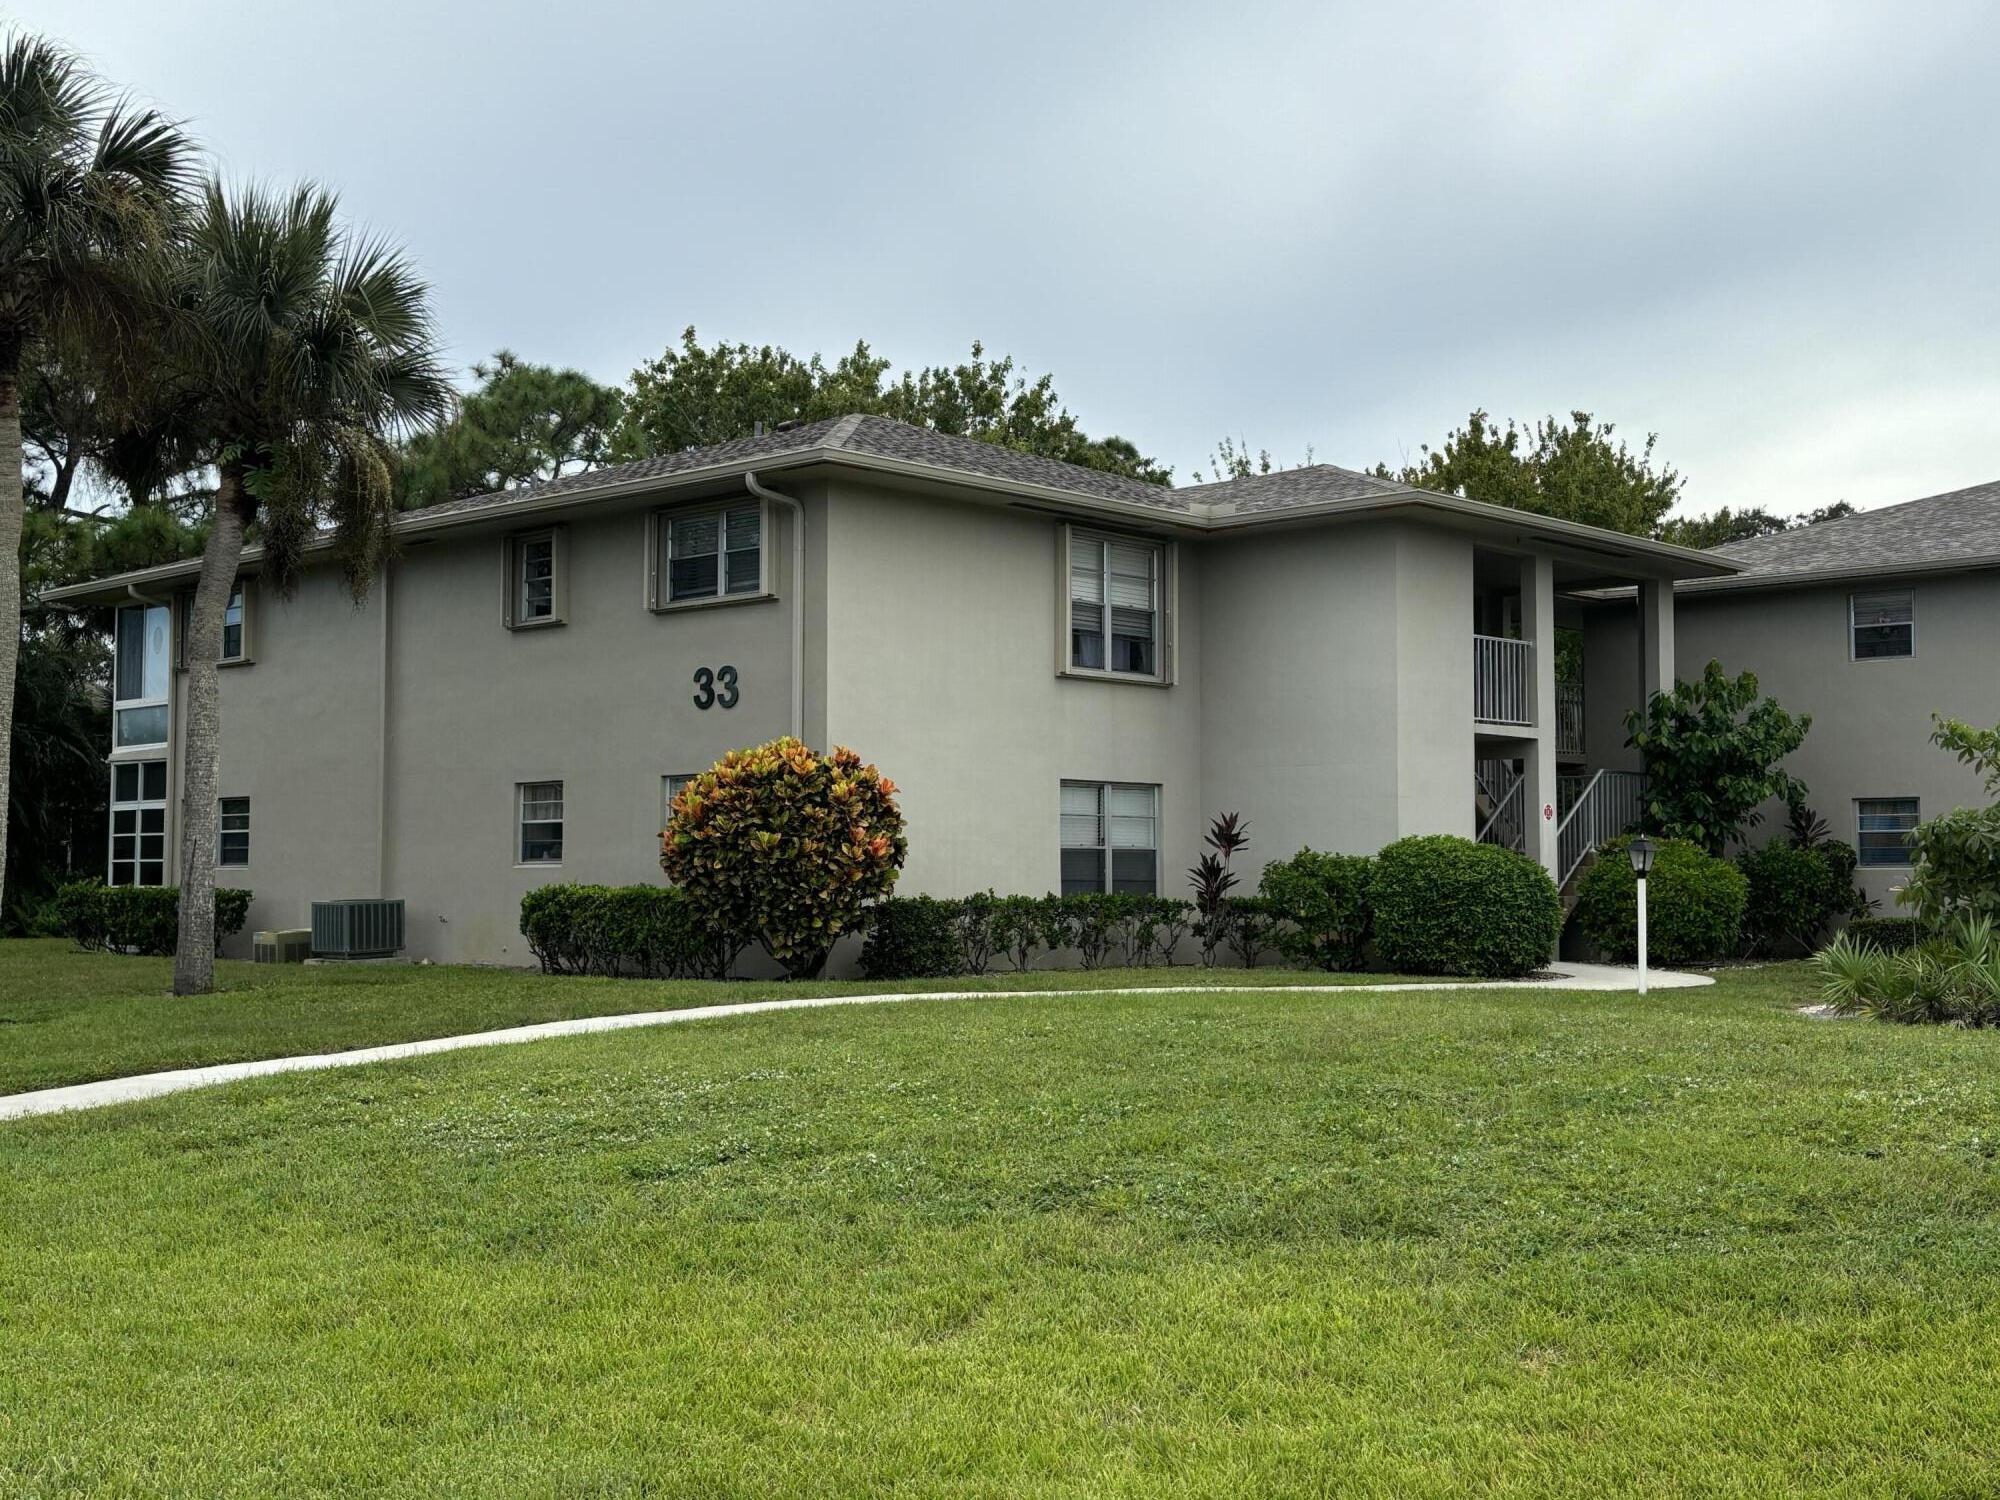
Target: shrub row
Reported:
[(926, 937), (138, 918), (645, 931)]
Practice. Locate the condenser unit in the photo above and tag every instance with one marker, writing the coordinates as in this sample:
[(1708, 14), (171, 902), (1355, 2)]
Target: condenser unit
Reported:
[(357, 929), (292, 945)]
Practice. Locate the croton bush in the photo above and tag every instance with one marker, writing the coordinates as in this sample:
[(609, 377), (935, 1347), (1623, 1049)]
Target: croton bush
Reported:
[(787, 846)]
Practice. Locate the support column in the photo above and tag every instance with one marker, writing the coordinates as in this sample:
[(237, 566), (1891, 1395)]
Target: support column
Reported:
[(1538, 764), (1656, 638)]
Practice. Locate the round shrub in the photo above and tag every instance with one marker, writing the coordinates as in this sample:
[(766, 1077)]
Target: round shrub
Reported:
[(1320, 905), (1794, 893), (1694, 904), (1447, 905), (787, 847)]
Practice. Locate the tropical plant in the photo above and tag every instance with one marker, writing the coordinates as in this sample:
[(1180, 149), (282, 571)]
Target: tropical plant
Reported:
[(1213, 880), (1712, 749), (89, 185), (1951, 978), (298, 352), (788, 846), (1955, 859)]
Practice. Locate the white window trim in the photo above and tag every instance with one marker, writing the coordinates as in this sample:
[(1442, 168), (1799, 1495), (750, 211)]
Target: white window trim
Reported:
[(151, 749), (1169, 613), (183, 611), (142, 804), (1860, 861), (1104, 790), (1854, 656), (511, 563), (666, 796), (521, 822), (220, 862), (656, 538)]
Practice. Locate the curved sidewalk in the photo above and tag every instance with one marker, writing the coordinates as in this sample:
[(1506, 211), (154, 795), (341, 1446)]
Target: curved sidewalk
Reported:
[(1596, 977)]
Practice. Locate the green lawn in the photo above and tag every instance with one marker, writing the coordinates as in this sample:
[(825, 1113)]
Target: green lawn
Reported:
[(1267, 1243), (70, 1017)]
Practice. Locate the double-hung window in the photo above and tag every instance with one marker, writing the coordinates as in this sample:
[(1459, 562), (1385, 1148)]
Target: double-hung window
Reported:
[(232, 831), (139, 823), (671, 787), (534, 579), (140, 676), (1882, 625), (235, 636), (541, 822), (709, 554), (1110, 837), (1117, 591), (1882, 828)]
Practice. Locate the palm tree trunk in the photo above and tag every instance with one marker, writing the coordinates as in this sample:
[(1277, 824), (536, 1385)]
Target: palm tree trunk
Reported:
[(194, 956), (10, 579)]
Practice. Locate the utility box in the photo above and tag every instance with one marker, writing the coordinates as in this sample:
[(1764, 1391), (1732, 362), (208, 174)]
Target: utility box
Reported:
[(291, 945), (357, 929)]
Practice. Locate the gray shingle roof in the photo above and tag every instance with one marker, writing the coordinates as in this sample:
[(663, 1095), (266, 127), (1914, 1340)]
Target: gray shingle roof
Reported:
[(1960, 526), (1287, 489)]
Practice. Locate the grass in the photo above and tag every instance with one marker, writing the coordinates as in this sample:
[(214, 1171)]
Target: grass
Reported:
[(1488, 1243), (70, 1017)]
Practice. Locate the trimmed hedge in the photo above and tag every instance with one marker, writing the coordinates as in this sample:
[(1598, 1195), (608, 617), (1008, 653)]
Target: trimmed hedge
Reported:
[(1447, 905), (1694, 904), (929, 937), (1889, 934), (647, 931), (914, 937), (138, 918), (1318, 907)]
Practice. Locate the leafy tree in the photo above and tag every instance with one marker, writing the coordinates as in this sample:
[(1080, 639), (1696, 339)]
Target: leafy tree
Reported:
[(694, 395), (1955, 859), (1572, 470), (786, 845), (1231, 459), (1725, 525), (525, 423), (86, 183), (298, 352), (1712, 749)]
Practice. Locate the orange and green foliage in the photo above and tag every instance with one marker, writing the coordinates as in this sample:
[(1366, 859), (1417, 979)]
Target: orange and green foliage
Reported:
[(788, 847)]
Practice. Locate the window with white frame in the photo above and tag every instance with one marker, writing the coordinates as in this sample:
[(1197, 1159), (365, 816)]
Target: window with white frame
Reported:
[(710, 554), (235, 638), (1882, 828), (232, 831), (670, 788), (140, 673), (1882, 625), (1110, 837), (138, 823), (534, 583), (1116, 586), (541, 822)]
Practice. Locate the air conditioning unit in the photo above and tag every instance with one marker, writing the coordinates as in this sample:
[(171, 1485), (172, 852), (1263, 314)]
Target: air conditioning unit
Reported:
[(357, 929), (291, 946)]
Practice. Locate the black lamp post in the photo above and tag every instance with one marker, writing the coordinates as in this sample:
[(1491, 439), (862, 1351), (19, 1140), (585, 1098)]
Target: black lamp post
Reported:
[(1641, 851)]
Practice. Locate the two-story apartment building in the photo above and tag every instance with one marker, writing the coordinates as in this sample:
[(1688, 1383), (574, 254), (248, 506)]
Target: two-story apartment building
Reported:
[(1067, 673), (1872, 624)]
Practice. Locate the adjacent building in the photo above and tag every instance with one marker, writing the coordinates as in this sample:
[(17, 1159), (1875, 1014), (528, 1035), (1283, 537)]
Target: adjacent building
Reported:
[(1067, 672)]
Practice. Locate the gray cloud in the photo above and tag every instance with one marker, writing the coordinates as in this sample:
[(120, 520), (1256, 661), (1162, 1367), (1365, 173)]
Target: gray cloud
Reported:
[(1763, 231)]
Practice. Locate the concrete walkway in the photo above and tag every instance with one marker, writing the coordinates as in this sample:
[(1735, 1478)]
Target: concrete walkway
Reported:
[(1570, 976)]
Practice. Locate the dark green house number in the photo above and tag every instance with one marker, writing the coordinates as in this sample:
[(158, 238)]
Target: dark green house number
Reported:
[(717, 686)]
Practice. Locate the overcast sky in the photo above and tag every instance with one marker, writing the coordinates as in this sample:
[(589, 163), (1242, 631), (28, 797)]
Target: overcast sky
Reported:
[(1765, 232)]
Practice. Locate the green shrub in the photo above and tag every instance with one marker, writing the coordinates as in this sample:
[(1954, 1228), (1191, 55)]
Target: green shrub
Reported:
[(1447, 905), (787, 846), (647, 931), (1795, 893), (1694, 904), (914, 937), (1091, 920), (1319, 906), (975, 930), (1888, 934), (138, 918), (1017, 929), (1247, 928)]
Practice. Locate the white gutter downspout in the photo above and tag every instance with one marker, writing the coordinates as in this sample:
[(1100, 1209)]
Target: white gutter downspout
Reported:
[(384, 587), (798, 583)]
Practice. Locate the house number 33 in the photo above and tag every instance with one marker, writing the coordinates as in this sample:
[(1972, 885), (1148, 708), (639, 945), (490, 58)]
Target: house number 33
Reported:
[(714, 686)]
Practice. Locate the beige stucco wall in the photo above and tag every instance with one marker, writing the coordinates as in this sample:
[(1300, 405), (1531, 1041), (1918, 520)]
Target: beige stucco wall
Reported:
[(1871, 719)]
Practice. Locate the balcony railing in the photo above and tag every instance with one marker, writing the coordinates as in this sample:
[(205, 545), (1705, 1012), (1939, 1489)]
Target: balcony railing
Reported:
[(1501, 682), (1569, 718)]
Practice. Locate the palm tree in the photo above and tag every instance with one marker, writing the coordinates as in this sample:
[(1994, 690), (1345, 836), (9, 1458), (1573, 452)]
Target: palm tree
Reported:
[(86, 183), (302, 350)]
